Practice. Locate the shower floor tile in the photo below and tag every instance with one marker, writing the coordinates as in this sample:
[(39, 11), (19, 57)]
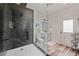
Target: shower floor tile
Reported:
[(29, 50)]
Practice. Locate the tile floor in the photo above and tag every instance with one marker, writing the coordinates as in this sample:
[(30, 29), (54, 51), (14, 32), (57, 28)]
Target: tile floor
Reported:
[(60, 50), (29, 50)]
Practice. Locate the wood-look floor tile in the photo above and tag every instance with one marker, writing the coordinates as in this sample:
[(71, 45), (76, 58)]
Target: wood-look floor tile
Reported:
[(60, 50)]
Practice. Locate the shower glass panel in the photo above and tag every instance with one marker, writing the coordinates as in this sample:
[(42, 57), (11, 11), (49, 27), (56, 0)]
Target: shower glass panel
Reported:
[(41, 35), (41, 26)]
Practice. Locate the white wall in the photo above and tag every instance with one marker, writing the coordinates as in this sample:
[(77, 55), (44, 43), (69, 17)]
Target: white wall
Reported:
[(56, 22)]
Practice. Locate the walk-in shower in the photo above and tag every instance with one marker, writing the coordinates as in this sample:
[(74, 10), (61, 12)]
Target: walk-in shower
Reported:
[(16, 26)]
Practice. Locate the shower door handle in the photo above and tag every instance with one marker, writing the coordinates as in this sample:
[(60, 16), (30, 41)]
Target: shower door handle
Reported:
[(27, 35)]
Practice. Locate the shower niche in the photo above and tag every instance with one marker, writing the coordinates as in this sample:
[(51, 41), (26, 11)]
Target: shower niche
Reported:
[(17, 26)]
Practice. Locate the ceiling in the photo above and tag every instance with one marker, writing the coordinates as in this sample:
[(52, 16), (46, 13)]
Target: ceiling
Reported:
[(52, 7), (58, 6)]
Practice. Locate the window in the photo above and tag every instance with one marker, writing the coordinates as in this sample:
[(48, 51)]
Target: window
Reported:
[(68, 25)]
